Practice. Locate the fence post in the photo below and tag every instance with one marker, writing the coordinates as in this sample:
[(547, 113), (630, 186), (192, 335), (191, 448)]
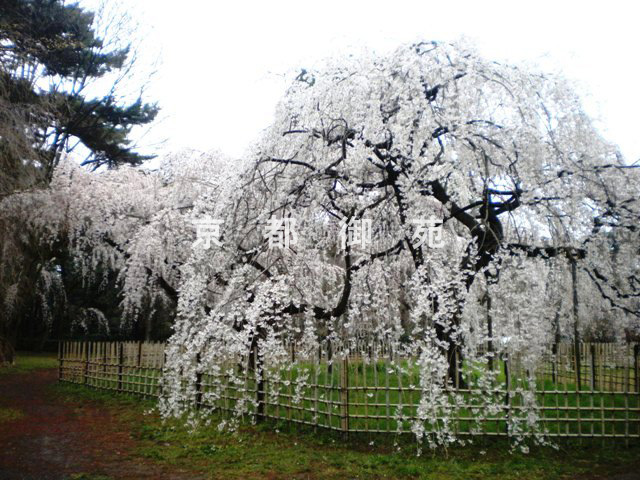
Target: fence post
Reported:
[(120, 365), (105, 345), (60, 359), (85, 374), (636, 367), (577, 365), (139, 353), (507, 398), (198, 382), (594, 383), (344, 394), (554, 364), (260, 396), (577, 351), (576, 331), (259, 373), (162, 361)]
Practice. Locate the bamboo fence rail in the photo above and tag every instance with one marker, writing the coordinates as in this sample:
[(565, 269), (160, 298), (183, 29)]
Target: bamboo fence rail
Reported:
[(370, 388)]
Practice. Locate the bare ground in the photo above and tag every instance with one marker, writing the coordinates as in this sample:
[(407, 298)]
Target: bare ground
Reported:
[(55, 439)]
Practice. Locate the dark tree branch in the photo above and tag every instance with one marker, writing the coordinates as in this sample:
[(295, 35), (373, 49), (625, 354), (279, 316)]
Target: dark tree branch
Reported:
[(532, 251)]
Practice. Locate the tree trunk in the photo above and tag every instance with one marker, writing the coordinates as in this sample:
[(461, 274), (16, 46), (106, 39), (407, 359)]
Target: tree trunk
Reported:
[(489, 331), (453, 353), (576, 331), (7, 352)]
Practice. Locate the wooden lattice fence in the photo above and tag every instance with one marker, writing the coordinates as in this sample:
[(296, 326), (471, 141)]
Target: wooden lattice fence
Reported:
[(373, 389)]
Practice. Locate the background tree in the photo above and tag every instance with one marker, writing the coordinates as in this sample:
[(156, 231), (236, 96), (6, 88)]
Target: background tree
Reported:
[(51, 58), (62, 71), (115, 240)]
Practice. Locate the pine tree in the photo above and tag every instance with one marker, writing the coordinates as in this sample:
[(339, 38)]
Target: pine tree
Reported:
[(50, 53)]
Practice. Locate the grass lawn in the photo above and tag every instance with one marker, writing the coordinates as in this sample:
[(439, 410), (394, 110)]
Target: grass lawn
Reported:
[(261, 452), (29, 361)]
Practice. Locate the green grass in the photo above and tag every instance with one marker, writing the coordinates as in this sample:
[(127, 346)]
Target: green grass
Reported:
[(300, 452), (372, 409), (10, 414), (29, 361)]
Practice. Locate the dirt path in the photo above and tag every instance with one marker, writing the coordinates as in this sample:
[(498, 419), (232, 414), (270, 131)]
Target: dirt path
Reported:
[(57, 440)]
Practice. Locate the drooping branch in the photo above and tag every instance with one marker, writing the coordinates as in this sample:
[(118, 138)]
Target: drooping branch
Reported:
[(608, 297), (534, 251)]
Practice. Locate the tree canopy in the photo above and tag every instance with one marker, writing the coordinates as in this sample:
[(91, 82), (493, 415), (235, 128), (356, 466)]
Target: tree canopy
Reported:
[(50, 56), (537, 212), (62, 72)]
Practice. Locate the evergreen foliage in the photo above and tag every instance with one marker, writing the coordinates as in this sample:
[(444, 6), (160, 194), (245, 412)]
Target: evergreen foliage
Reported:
[(50, 53)]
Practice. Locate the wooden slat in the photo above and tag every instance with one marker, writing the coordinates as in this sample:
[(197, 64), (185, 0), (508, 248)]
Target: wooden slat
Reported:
[(366, 386)]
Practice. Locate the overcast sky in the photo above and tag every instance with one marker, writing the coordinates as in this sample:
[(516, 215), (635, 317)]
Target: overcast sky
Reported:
[(223, 64)]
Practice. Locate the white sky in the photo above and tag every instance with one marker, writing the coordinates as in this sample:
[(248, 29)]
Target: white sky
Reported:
[(222, 63)]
